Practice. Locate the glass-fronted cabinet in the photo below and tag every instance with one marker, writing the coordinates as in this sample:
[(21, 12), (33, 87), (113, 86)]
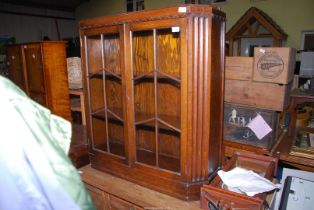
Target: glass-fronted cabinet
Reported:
[(154, 94)]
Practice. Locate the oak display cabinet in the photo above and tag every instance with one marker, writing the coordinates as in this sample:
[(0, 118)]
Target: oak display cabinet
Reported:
[(154, 96)]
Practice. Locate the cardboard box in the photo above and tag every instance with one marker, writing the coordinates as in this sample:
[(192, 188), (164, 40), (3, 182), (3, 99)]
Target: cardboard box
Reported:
[(274, 64), (258, 94), (239, 67), (236, 117)]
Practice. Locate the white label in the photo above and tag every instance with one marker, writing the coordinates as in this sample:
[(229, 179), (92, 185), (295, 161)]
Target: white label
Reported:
[(182, 9), (175, 29), (262, 50)]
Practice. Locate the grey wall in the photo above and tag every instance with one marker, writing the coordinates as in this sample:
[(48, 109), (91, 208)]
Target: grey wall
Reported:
[(31, 29)]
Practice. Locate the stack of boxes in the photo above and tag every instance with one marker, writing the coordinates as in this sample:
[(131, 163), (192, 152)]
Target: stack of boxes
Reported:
[(257, 85)]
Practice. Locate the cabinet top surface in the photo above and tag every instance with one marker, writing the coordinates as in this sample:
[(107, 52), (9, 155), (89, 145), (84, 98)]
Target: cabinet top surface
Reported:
[(146, 15), (39, 42)]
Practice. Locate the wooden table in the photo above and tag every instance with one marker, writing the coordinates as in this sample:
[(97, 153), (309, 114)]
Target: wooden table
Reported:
[(78, 105)]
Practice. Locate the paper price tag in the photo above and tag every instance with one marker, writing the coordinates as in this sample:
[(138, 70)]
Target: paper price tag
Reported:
[(175, 29), (259, 126), (182, 9)]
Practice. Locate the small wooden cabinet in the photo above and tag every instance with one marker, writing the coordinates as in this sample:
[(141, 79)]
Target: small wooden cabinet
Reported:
[(154, 95), (40, 70)]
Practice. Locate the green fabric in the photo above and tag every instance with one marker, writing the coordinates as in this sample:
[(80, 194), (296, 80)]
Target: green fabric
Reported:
[(51, 132)]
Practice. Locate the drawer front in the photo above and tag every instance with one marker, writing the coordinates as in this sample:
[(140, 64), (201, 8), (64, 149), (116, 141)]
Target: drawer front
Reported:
[(119, 204)]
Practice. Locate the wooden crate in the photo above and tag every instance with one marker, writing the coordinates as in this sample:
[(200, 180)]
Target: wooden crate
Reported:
[(236, 118), (258, 94), (214, 196), (239, 67), (274, 64)]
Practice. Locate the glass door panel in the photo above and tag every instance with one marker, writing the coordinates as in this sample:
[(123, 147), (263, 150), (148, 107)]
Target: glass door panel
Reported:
[(145, 144), (168, 53), (157, 97), (99, 139), (168, 148), (143, 54), (94, 55), (105, 87), (169, 103)]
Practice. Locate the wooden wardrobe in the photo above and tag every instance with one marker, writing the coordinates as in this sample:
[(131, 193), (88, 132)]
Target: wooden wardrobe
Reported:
[(40, 70)]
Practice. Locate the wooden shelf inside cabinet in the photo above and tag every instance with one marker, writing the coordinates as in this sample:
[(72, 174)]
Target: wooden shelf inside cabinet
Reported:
[(164, 121), (77, 104), (113, 113), (162, 77)]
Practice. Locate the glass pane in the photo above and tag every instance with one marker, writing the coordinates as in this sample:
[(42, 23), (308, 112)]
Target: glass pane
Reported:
[(169, 149), (169, 102), (99, 134), (114, 95), (116, 136), (144, 100), (96, 93), (94, 54), (143, 52), (168, 52), (145, 144), (112, 53)]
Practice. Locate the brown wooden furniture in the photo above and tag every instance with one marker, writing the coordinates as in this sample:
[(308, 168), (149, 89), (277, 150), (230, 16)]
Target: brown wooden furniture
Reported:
[(110, 192), (215, 196), (77, 102), (254, 24), (40, 70), (298, 98), (154, 95), (79, 146)]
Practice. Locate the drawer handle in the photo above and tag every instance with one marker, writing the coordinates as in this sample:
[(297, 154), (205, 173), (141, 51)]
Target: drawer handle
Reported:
[(13, 57), (34, 56)]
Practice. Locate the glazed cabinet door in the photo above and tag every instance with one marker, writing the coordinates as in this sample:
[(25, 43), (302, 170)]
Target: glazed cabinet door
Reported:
[(35, 73), (105, 81), (15, 65), (156, 74)]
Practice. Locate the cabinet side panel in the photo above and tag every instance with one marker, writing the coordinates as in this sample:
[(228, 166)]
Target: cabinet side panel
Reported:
[(56, 78), (216, 92)]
